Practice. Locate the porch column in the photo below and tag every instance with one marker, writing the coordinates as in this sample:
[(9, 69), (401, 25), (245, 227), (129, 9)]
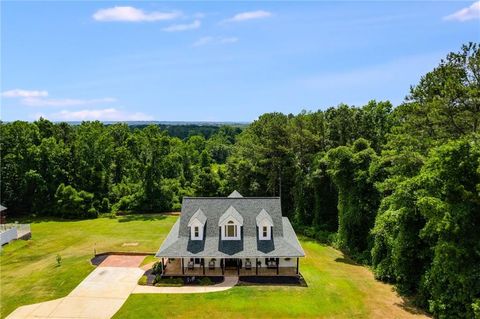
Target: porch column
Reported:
[(256, 266), (238, 267), (297, 264), (223, 266), (278, 262), (183, 268), (163, 266), (203, 264)]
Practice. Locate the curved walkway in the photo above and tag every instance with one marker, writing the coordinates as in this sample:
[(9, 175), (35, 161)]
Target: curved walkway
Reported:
[(228, 283)]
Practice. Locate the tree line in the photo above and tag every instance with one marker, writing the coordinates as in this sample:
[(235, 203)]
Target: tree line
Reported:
[(394, 188)]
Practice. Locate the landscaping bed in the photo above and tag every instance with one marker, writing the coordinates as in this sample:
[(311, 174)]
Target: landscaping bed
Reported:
[(272, 280), (153, 277), (202, 281), (177, 281)]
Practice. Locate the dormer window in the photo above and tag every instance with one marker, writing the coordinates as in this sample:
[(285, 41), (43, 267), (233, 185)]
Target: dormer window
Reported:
[(197, 225), (196, 232), (231, 229), (264, 225), (230, 224)]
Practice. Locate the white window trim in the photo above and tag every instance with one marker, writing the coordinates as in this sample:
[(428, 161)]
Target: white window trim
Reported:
[(237, 226), (196, 231), (264, 220), (193, 225), (261, 225)]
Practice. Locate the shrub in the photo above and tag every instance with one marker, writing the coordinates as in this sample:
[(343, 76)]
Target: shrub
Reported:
[(309, 232), (325, 237), (143, 280), (205, 281), (104, 206), (157, 268), (322, 236), (476, 308), (70, 203), (59, 260), (168, 282)]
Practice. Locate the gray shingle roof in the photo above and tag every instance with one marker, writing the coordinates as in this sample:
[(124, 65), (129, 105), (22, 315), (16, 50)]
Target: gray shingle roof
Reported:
[(2, 208), (199, 215), (284, 241), (263, 215), (230, 213), (235, 194)]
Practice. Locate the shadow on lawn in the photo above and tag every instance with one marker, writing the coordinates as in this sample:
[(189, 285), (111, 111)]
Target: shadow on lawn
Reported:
[(97, 260), (33, 219), (347, 260), (140, 217), (408, 305)]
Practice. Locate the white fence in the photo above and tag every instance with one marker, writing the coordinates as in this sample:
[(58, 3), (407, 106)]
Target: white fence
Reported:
[(9, 232), (8, 235)]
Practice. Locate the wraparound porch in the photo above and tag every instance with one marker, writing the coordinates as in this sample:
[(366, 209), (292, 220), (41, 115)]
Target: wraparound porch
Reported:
[(231, 266)]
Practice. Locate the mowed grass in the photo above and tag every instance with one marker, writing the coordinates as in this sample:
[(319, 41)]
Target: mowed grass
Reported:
[(337, 288), (29, 271)]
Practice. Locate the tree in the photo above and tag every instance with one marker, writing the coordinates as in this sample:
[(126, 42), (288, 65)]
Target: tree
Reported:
[(71, 203), (450, 203), (446, 102), (357, 198)]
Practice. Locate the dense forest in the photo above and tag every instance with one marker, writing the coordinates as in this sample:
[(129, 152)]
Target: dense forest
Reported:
[(396, 188)]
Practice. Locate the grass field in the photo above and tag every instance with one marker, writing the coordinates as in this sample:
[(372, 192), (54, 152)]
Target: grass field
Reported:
[(337, 288), (28, 271)]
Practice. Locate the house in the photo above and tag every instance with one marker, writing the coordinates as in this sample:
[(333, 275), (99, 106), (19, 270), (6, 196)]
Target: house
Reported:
[(3, 214), (245, 236)]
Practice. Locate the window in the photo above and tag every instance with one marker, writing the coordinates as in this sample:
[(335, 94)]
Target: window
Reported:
[(265, 231), (196, 232), (231, 229)]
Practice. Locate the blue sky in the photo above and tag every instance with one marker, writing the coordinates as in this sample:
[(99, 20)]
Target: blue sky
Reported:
[(218, 61)]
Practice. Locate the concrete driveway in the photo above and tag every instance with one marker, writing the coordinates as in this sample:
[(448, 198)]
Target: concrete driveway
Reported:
[(103, 292), (98, 296)]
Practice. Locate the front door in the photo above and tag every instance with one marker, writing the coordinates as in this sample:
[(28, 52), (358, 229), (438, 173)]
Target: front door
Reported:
[(231, 263)]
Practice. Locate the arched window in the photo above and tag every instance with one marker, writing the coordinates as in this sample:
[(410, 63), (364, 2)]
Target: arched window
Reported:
[(230, 223), (231, 229)]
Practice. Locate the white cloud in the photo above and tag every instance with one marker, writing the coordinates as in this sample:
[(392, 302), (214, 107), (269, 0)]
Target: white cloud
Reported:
[(250, 15), (228, 40), (214, 40), (131, 14), (32, 101), (199, 15), (38, 98), (183, 27), (465, 14), (109, 114), (203, 41), (24, 93)]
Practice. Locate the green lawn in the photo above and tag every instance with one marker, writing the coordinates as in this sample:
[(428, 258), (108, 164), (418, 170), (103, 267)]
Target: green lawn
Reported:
[(336, 287), (28, 271)]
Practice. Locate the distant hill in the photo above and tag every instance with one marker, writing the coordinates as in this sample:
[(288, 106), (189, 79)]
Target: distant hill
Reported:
[(171, 123), (189, 129)]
